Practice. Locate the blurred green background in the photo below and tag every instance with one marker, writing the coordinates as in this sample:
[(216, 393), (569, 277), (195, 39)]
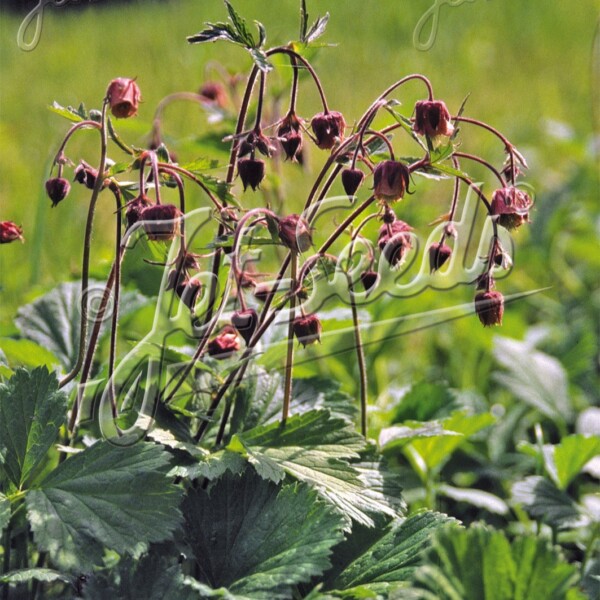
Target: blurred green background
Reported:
[(531, 70)]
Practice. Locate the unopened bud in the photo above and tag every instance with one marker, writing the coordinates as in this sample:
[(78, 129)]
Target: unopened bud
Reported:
[(351, 180), (225, 344), (438, 255), (307, 329), (489, 307), (294, 232), (251, 172), (161, 221), (9, 232), (245, 322), (57, 189), (395, 241), (328, 128)]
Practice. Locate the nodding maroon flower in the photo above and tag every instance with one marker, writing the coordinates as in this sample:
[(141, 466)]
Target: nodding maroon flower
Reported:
[(328, 128), (224, 344), (395, 241), (290, 136), (489, 307), (295, 233), (391, 179), (188, 291), (245, 322), (161, 221), (57, 189), (351, 180), (438, 255), (9, 232), (307, 329), (251, 172), (86, 175), (432, 119), (213, 93), (510, 206), (254, 141), (124, 96), (369, 280), (134, 209)]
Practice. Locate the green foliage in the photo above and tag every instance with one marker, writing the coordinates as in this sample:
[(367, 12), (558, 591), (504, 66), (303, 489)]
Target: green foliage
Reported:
[(322, 451), (391, 559), (534, 377), (32, 410), (480, 563), (118, 497), (52, 321), (256, 538)]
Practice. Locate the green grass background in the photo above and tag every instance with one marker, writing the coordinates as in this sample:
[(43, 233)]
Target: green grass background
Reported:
[(531, 70)]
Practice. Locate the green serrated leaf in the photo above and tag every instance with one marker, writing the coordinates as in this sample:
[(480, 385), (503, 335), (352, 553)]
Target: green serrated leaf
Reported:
[(480, 563), (214, 32), (317, 29), (26, 575), (52, 321), (571, 455), (68, 113), (316, 449), (106, 496), (545, 502), (243, 33), (436, 451), (424, 402), (534, 377), (397, 436), (394, 556), (257, 539), (260, 59), (152, 577), (32, 410)]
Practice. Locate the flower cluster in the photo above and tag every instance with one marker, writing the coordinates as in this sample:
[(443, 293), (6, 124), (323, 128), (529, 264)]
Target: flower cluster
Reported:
[(363, 160)]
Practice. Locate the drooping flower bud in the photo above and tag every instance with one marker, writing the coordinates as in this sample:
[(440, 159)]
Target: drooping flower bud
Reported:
[(245, 322), (161, 221), (57, 189), (188, 291), (225, 344), (134, 209), (295, 233), (438, 255), (328, 128), (290, 136), (391, 179), (123, 96), (86, 175), (213, 93), (351, 180), (395, 241), (432, 119), (9, 232), (510, 206), (489, 307), (307, 329), (251, 172), (369, 280)]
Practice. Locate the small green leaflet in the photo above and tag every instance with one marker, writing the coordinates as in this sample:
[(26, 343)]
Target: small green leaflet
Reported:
[(26, 575), (117, 497), (32, 410)]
